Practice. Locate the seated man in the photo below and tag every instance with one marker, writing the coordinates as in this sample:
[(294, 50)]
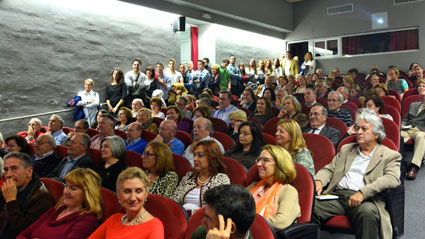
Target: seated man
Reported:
[(78, 157), (55, 127), (80, 126), (34, 127), (357, 175), (321, 91), (24, 198), (134, 140), (344, 92), (223, 217), (136, 105), (318, 115), (415, 119), (267, 84), (44, 159), (181, 104), (310, 97), (167, 135), (106, 128), (225, 108), (202, 130), (334, 105)]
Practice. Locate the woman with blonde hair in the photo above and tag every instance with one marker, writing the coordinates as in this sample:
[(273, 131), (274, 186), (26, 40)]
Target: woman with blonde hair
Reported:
[(292, 110), (289, 136), (236, 118), (137, 222), (309, 64), (159, 165), (275, 198), (77, 212), (144, 116)]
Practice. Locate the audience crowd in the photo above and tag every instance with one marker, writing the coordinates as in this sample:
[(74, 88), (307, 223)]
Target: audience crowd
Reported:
[(178, 132)]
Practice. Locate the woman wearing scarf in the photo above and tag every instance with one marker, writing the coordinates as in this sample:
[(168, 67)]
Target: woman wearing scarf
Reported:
[(275, 199)]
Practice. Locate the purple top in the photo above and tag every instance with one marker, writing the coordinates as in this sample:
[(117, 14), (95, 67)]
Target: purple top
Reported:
[(184, 126)]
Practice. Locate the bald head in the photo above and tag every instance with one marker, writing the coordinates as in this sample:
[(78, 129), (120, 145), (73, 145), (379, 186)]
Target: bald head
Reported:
[(168, 130), (134, 131)]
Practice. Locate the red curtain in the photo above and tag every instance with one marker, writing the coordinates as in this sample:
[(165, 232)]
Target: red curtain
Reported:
[(351, 45), (194, 46), (404, 40)]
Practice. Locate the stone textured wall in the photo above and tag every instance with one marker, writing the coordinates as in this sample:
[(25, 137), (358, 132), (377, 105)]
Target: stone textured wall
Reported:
[(46, 52)]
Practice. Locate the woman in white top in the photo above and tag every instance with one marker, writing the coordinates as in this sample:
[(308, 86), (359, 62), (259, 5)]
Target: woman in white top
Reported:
[(156, 104), (309, 65), (89, 101), (277, 69)]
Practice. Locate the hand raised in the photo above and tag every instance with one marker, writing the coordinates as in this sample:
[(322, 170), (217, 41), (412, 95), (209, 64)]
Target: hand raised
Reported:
[(223, 232), (9, 190)]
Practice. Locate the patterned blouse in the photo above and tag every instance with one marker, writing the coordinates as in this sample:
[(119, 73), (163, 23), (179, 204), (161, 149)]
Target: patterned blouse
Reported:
[(304, 158), (188, 183), (165, 185)]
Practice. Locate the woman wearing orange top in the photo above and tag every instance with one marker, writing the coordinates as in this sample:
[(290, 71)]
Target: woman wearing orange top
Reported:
[(132, 192), (275, 198)]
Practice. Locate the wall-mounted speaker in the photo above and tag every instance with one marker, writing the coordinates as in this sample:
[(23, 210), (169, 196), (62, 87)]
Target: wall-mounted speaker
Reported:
[(179, 24)]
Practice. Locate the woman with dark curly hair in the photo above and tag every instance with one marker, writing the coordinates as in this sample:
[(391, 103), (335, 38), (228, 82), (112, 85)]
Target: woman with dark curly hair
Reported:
[(116, 91), (17, 143)]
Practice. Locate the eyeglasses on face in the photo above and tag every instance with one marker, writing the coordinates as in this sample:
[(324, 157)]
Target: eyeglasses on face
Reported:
[(263, 160)]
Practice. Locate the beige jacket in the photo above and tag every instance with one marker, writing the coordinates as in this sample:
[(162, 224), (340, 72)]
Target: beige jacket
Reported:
[(383, 172)]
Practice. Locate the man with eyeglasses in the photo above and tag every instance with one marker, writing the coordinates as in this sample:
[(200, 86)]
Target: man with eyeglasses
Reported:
[(44, 159), (226, 108), (134, 140), (335, 100), (167, 135), (34, 130), (317, 116), (181, 104), (80, 126), (78, 157)]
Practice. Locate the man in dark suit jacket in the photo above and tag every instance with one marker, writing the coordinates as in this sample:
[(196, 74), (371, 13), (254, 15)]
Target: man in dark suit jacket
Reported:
[(78, 145), (413, 126), (318, 115)]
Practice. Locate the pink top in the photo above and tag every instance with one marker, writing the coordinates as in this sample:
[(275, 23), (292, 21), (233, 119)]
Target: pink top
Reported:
[(112, 228)]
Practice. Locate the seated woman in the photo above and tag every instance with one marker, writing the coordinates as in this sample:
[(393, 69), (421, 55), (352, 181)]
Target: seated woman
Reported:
[(302, 85), (156, 104), (236, 118), (125, 117), (208, 172), (201, 111), (77, 212), (159, 165), (275, 198), (144, 116), (174, 114), (17, 143), (381, 89), (112, 151), (263, 112), (89, 101), (289, 136), (376, 104), (421, 86), (248, 145), (270, 95), (137, 222), (292, 110)]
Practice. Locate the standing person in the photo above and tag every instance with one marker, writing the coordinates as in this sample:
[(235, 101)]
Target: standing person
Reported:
[(309, 64), (24, 198), (137, 222), (289, 65), (164, 81), (188, 82), (214, 79), (89, 101), (173, 75), (76, 214), (135, 81), (225, 83), (277, 69), (235, 76), (206, 64), (200, 79), (151, 83), (116, 91)]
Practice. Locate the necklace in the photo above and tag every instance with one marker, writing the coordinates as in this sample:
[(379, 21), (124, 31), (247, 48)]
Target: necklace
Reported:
[(202, 182), (135, 222)]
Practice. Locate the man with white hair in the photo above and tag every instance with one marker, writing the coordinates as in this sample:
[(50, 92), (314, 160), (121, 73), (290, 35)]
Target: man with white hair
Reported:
[(106, 128), (167, 135), (134, 141), (34, 130), (136, 105), (335, 100), (55, 127), (357, 175), (202, 130)]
